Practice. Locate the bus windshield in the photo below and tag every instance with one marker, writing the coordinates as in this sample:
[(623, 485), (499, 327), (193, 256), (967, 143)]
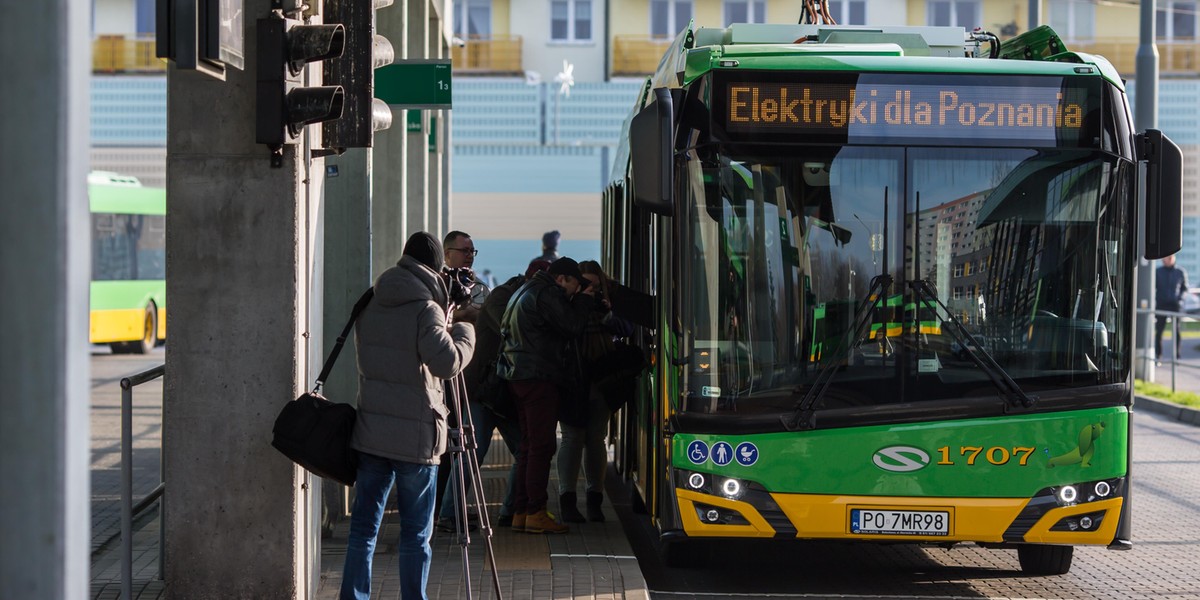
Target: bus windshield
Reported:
[(1023, 250)]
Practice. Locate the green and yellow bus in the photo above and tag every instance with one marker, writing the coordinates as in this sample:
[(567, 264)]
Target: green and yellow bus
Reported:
[(128, 295), (784, 188)]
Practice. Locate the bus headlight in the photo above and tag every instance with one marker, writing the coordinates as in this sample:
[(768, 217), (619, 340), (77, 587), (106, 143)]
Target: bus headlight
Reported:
[(696, 481), (1103, 489), (1067, 494), (731, 488)]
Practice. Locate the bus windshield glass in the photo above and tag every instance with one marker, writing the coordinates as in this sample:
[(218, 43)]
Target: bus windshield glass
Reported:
[(1021, 248)]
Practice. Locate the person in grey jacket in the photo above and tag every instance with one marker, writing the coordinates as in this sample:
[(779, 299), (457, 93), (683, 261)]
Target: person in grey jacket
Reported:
[(406, 349)]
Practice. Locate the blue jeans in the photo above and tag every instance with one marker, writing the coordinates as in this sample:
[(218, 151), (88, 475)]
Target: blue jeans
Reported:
[(486, 422), (414, 499)]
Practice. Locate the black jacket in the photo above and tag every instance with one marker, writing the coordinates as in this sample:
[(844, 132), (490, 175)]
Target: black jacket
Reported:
[(538, 324), (487, 333)]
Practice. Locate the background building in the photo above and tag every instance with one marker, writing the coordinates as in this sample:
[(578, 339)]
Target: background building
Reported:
[(531, 153)]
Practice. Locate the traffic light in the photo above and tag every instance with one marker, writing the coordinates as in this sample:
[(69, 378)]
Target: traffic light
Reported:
[(284, 106), (354, 70)]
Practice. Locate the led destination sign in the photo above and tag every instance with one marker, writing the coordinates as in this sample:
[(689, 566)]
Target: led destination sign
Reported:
[(869, 111)]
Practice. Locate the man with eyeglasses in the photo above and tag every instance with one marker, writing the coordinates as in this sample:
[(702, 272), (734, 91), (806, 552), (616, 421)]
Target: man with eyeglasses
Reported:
[(460, 254), (459, 251)]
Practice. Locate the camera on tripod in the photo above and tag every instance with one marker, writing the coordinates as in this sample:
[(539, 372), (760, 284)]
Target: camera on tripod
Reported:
[(459, 283)]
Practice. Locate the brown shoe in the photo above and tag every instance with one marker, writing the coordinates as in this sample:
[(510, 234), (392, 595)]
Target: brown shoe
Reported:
[(542, 522), (518, 523)]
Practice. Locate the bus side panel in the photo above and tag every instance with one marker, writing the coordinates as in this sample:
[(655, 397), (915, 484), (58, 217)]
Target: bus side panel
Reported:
[(118, 309)]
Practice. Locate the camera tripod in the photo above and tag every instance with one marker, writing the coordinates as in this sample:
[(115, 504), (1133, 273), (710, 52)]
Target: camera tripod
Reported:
[(464, 460)]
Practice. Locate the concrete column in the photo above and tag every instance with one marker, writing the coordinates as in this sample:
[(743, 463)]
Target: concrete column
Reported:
[(44, 362), (244, 273), (389, 218), (419, 211), (347, 255), (438, 216)]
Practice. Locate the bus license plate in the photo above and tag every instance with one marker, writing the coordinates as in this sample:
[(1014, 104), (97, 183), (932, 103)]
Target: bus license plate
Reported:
[(899, 522)]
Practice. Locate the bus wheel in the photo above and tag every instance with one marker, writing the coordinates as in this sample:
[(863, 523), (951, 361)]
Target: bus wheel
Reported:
[(119, 347), (1038, 559), (686, 554), (149, 332)]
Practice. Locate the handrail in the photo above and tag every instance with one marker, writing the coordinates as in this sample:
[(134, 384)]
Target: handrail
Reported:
[(128, 510), (1176, 317)]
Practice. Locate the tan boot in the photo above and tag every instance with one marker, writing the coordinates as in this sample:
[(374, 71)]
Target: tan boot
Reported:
[(542, 522), (518, 524)]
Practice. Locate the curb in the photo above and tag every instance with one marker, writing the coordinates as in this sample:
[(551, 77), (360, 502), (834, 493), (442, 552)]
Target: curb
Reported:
[(1175, 412)]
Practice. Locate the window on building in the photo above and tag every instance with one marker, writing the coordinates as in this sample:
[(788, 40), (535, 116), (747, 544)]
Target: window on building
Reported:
[(745, 11), (958, 270), (669, 17), (145, 17), (473, 18), (1177, 21), (1073, 19), (571, 20), (958, 292), (957, 13), (848, 12)]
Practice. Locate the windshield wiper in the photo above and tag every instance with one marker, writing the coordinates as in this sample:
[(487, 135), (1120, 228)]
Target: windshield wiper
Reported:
[(1013, 394), (801, 416)]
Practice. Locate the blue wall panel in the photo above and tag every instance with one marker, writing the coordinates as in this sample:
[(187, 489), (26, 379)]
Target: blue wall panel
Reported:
[(129, 111)]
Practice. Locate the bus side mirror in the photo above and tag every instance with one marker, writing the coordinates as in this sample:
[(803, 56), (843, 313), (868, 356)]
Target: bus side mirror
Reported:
[(1164, 191), (651, 154)]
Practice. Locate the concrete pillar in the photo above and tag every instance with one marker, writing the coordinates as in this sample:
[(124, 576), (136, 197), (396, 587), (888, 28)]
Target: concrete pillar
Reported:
[(347, 256), (418, 154), (389, 218), (244, 272), (44, 362), (438, 216)]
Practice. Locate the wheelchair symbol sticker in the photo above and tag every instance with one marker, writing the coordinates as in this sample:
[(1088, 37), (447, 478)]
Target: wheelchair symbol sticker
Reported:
[(722, 453), (697, 452), (747, 454)]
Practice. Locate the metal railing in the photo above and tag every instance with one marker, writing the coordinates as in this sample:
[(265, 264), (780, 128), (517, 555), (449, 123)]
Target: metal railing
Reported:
[(128, 508), (1175, 57), (118, 54), (637, 54), (1176, 319), (488, 55)]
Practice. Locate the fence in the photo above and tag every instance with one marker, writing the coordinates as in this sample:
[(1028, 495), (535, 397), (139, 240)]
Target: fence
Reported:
[(128, 509)]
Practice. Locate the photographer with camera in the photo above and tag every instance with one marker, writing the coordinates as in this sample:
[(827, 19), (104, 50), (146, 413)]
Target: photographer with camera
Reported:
[(406, 350), (460, 255)]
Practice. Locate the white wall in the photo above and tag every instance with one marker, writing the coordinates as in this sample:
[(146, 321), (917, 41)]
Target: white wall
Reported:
[(887, 12), (115, 17), (531, 20)]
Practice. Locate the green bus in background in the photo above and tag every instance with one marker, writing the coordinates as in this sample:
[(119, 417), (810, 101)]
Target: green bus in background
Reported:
[(128, 295), (895, 272)]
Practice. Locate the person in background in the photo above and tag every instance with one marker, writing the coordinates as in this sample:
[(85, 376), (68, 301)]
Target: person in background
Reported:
[(406, 348), (549, 246), (604, 366), (1170, 286), (544, 315), (459, 253), (485, 420)]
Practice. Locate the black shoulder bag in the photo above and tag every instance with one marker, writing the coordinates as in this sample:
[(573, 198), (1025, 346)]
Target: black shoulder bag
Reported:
[(314, 432)]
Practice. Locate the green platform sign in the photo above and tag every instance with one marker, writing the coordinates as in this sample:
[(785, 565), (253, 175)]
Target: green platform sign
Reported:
[(415, 83)]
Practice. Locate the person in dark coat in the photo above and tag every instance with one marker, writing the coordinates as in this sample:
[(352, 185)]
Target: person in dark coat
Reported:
[(549, 247), (486, 420), (1170, 286), (542, 317), (406, 349)]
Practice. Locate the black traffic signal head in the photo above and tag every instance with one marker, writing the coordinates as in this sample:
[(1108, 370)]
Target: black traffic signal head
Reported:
[(284, 106), (354, 70)]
